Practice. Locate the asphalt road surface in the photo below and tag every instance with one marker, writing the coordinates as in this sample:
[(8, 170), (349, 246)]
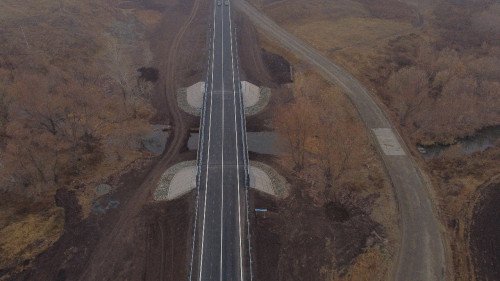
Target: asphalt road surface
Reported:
[(421, 255), (220, 247)]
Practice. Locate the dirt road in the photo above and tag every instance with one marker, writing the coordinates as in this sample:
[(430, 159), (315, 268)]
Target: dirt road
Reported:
[(422, 254), (123, 233)]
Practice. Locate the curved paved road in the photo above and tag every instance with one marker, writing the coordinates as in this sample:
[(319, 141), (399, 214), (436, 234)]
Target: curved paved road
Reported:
[(421, 255)]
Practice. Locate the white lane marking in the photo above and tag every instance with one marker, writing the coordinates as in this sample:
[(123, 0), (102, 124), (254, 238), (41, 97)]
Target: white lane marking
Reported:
[(222, 176), (237, 148), (388, 142), (245, 146), (208, 152)]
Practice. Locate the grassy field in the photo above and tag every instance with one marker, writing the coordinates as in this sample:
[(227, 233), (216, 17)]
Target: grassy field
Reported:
[(330, 36)]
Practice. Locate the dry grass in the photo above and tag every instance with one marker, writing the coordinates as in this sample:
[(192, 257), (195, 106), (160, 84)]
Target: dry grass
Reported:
[(296, 11), (86, 199), (370, 265), (334, 25), (344, 31), (328, 36), (27, 235), (150, 18)]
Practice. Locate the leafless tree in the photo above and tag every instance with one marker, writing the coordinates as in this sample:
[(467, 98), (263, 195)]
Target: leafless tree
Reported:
[(298, 122), (408, 88)]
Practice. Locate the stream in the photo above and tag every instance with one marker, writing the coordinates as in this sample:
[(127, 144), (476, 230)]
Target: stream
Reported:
[(482, 140)]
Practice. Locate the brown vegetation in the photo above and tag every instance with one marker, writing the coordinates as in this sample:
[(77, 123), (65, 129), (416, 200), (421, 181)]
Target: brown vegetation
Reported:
[(460, 64), (297, 123), (454, 54), (72, 109), (438, 73), (335, 171), (445, 95), (457, 179), (26, 232), (323, 135), (60, 132), (69, 90)]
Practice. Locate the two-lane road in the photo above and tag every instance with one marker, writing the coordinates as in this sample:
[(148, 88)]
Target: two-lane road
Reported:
[(220, 249)]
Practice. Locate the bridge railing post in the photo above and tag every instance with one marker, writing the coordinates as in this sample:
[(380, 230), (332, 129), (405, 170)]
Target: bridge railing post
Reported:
[(245, 156)]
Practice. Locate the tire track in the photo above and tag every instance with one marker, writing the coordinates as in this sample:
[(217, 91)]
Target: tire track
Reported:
[(110, 243)]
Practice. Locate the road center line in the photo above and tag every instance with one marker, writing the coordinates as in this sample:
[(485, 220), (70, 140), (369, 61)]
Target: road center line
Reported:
[(222, 154)]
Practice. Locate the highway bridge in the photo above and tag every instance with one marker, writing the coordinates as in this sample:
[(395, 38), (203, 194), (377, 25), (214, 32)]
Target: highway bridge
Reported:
[(220, 249)]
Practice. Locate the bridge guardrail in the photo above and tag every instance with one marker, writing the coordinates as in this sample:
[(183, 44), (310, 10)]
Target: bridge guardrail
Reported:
[(201, 134), (242, 118), (245, 156), (199, 154)]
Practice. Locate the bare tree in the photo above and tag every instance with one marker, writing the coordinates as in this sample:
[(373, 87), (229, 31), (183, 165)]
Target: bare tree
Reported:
[(298, 123), (408, 89)]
